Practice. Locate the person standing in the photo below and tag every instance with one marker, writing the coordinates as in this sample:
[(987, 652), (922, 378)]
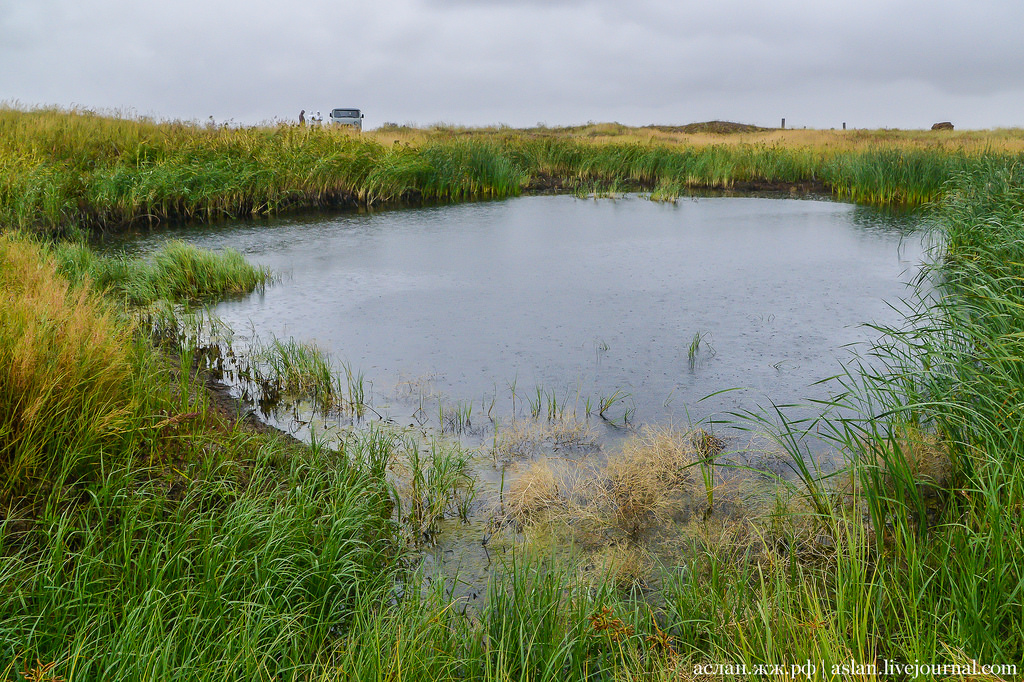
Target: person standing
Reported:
[(302, 117)]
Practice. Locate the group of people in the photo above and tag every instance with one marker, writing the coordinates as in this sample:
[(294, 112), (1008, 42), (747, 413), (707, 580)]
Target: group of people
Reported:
[(315, 120)]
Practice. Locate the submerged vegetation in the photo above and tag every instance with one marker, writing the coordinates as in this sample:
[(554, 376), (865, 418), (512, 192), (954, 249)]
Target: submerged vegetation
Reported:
[(149, 532)]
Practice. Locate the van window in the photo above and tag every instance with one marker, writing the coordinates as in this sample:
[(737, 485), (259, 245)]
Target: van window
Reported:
[(346, 113)]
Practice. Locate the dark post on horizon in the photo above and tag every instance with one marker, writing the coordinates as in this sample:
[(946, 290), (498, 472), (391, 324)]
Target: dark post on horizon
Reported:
[(783, 124)]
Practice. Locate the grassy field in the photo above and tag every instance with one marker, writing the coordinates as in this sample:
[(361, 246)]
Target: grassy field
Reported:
[(73, 170), (148, 532)]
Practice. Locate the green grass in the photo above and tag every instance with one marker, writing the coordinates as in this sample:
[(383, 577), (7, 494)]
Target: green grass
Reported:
[(64, 171), (143, 535), (175, 272), (437, 484), (300, 370), (215, 577), (67, 170)]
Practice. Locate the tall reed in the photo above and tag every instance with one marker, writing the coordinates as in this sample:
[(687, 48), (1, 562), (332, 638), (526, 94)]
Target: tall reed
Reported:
[(67, 170), (71, 399)]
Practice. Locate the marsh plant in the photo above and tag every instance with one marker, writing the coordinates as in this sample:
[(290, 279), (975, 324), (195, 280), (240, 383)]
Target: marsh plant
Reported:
[(607, 407), (355, 397), (177, 271), (455, 419), (301, 369), (701, 342), (548, 405), (283, 372), (66, 171), (435, 482)]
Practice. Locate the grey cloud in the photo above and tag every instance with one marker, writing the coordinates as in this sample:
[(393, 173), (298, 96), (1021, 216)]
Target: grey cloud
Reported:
[(895, 63)]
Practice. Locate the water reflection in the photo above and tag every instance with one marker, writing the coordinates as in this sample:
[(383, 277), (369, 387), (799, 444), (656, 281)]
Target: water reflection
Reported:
[(661, 303)]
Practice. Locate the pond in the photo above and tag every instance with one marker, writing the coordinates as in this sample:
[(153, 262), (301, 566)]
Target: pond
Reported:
[(647, 306)]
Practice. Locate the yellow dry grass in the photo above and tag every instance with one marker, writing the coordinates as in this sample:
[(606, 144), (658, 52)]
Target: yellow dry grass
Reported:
[(648, 484), (648, 502), (65, 367), (927, 457), (648, 478), (971, 141), (519, 440), (573, 436), (526, 439), (621, 565), (533, 494), (908, 453)]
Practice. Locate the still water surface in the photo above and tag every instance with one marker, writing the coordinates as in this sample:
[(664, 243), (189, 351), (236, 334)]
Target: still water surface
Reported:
[(582, 298)]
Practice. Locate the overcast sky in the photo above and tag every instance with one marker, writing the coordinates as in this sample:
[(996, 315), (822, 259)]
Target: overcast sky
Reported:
[(871, 63)]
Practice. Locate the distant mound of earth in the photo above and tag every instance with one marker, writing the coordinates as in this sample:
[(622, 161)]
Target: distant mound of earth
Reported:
[(716, 127)]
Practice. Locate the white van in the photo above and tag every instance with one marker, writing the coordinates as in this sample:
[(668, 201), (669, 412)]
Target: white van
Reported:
[(347, 117)]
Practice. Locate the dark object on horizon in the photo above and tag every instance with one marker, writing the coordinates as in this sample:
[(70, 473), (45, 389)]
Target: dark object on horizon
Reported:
[(945, 125), (302, 117), (714, 127), (783, 124), (844, 125)]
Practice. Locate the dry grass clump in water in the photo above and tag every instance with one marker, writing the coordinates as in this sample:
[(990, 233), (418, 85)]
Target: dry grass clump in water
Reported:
[(533, 494), (573, 436), (622, 565), (707, 445), (906, 456), (905, 471), (520, 440), (646, 483), (926, 457), (525, 439), (653, 483)]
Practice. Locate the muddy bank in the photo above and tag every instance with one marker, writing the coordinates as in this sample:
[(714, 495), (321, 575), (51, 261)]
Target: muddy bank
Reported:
[(806, 188), (237, 412), (545, 183)]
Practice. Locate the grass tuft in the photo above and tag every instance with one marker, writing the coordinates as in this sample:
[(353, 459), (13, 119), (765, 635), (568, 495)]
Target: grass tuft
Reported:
[(70, 400)]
